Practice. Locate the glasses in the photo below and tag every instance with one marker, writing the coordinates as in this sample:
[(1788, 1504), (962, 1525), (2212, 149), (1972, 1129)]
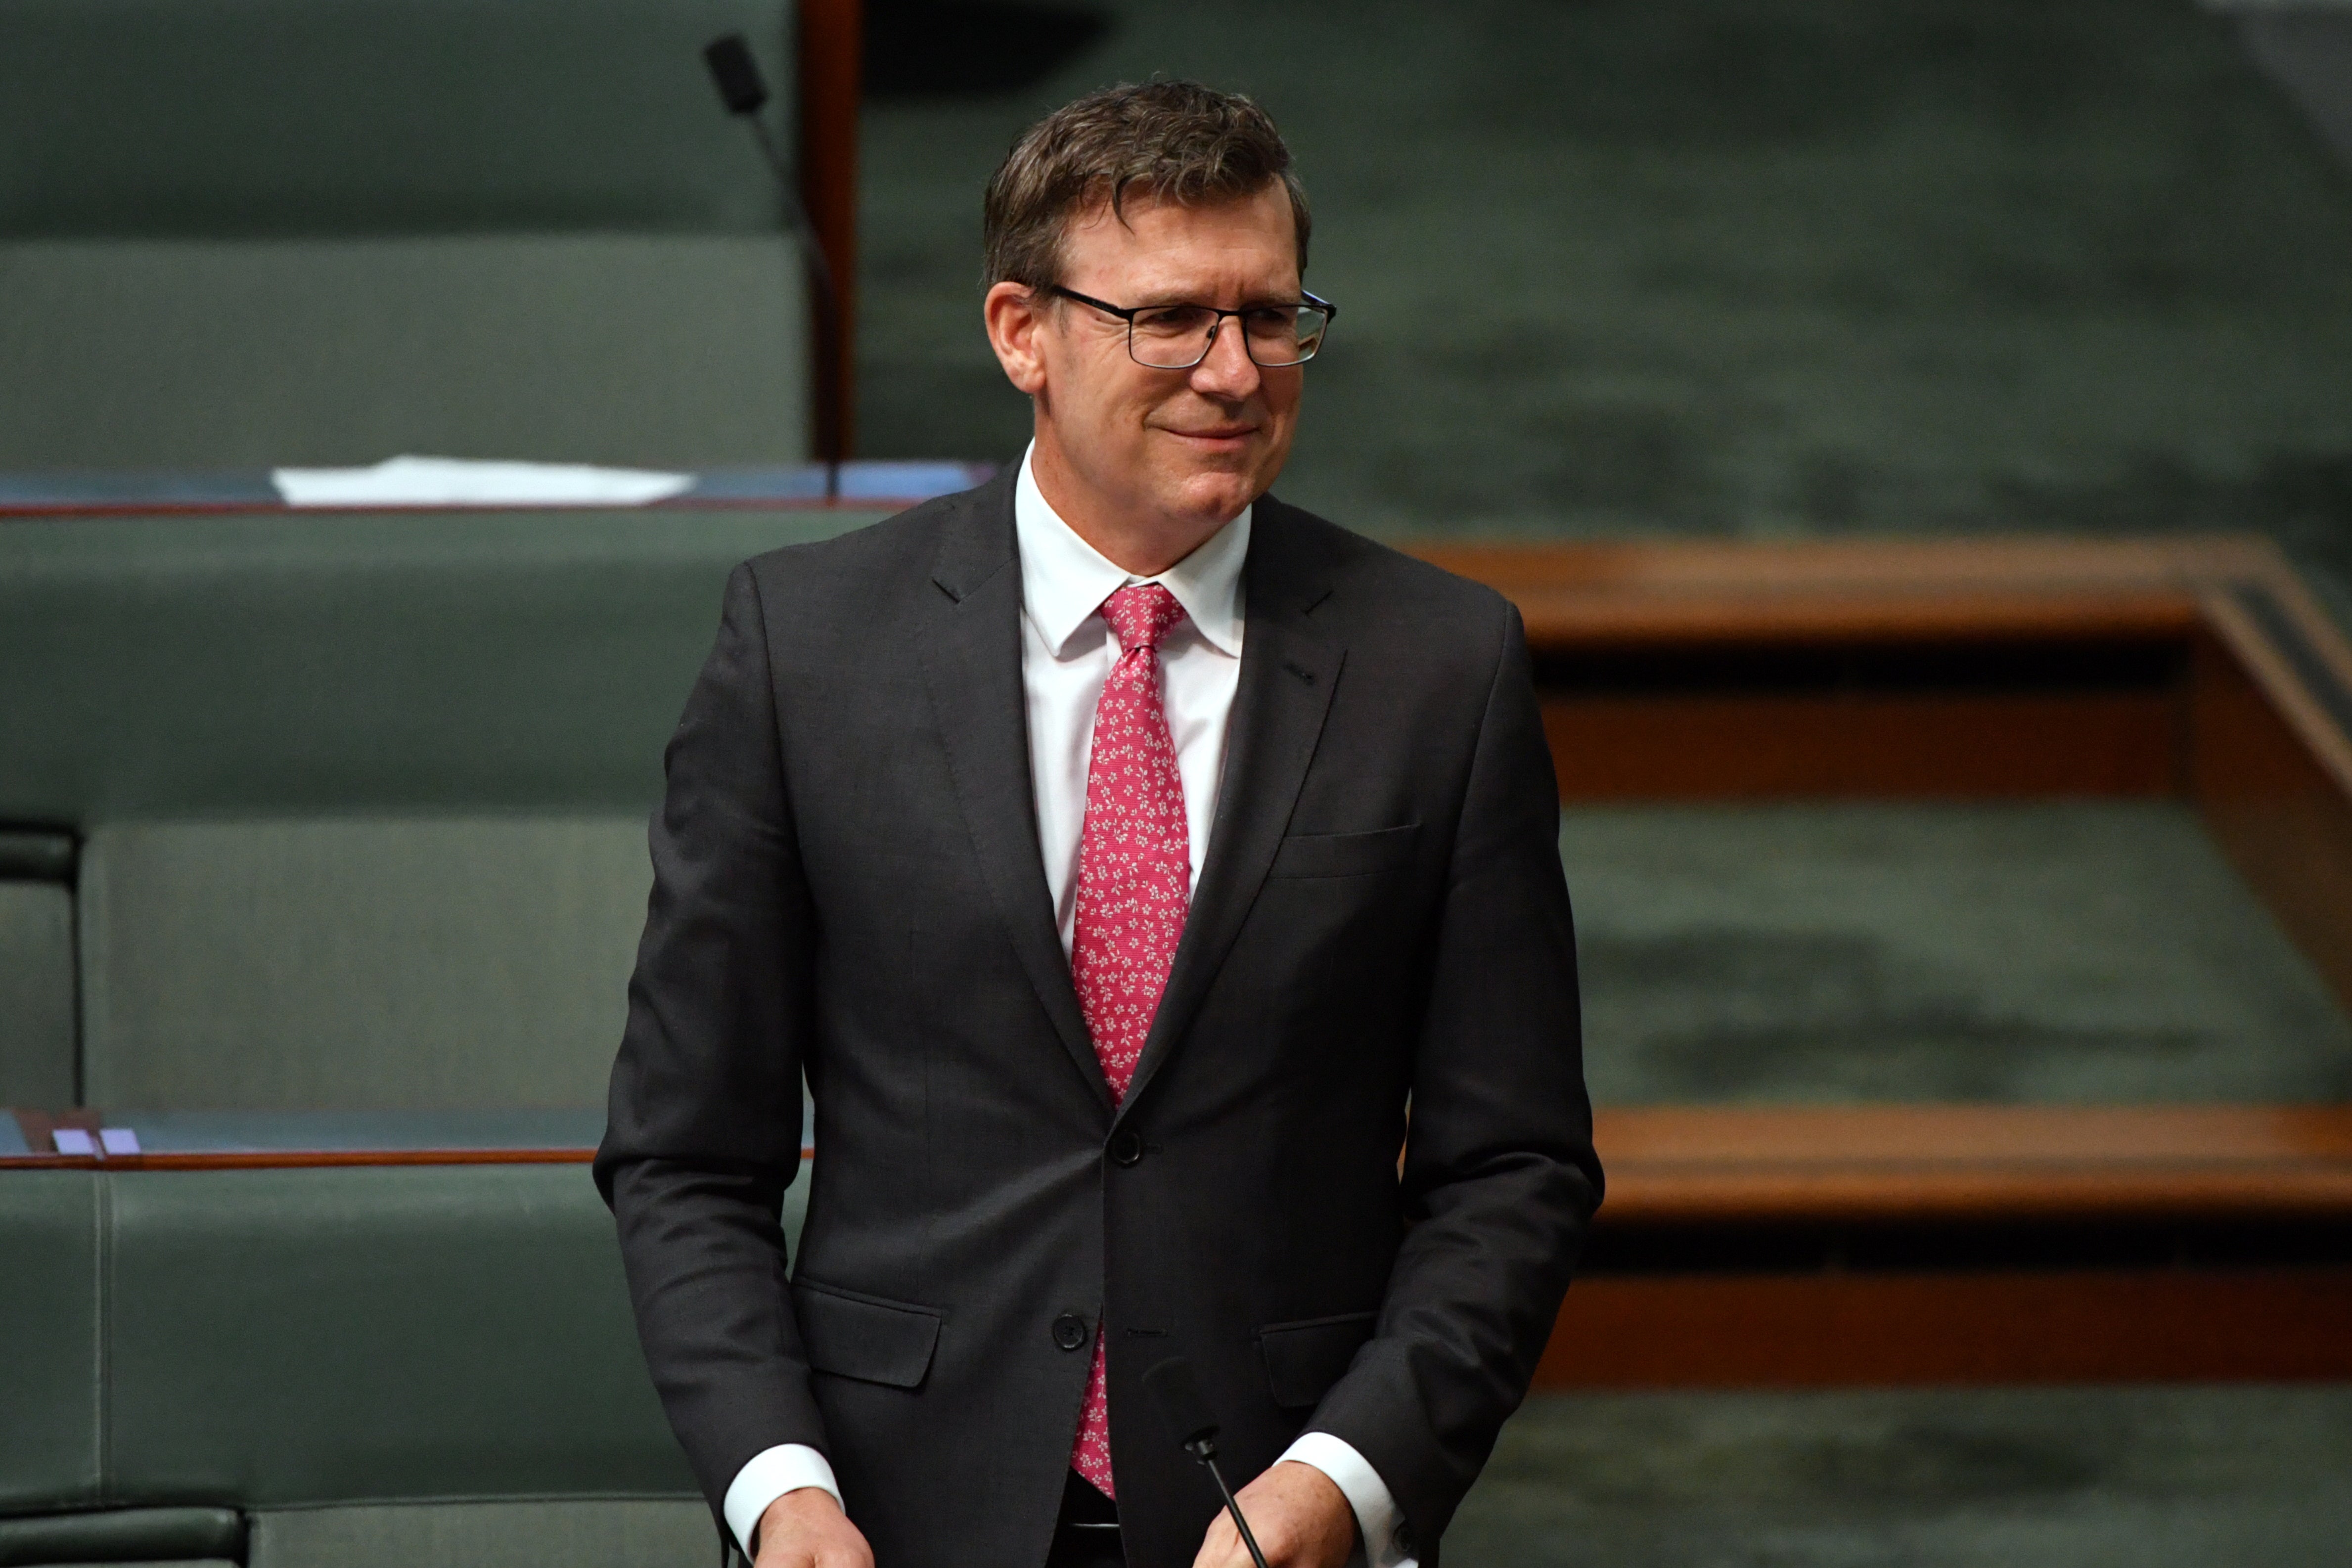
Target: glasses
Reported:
[(1177, 337)]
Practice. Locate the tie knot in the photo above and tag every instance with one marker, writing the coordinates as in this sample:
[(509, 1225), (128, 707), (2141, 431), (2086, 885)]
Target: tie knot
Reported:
[(1142, 614)]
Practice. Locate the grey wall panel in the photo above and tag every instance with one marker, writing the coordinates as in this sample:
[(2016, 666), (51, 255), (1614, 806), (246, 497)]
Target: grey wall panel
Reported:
[(359, 964), (598, 1533), (49, 1356), (375, 1334), (663, 350), (36, 994)]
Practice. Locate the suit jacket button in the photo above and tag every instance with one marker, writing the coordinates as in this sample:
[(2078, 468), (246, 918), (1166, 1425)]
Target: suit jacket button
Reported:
[(1070, 1331), (1127, 1148)]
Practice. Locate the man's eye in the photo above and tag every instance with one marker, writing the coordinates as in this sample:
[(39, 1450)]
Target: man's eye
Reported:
[(1174, 319)]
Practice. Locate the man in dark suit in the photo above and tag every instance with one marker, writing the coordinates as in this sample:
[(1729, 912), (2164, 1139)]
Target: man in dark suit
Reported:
[(1133, 864)]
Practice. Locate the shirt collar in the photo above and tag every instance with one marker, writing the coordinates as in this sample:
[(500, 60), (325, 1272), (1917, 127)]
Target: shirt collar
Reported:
[(1065, 580)]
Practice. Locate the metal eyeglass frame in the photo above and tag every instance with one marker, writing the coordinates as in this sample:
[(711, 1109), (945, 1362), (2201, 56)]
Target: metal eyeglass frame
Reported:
[(1129, 313)]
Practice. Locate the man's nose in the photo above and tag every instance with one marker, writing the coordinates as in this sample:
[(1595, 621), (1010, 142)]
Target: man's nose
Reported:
[(1227, 373)]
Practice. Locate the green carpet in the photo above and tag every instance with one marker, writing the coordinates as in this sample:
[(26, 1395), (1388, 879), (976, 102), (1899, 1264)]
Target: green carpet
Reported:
[(2121, 1478), (2018, 953), (1811, 268), (1663, 267)]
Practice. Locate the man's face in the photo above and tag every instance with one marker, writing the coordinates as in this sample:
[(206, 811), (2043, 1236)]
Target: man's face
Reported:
[(1189, 446)]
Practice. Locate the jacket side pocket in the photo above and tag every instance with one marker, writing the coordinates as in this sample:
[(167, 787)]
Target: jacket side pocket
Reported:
[(1303, 1359), (866, 1337)]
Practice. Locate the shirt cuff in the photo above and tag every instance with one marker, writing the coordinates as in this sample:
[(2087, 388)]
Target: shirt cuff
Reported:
[(772, 1472), (1376, 1517)]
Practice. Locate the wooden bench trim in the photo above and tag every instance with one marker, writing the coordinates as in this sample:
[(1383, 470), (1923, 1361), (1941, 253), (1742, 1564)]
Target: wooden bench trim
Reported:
[(2259, 733), (1894, 1164), (1832, 1330), (1865, 746), (831, 59), (1579, 594), (296, 1159)]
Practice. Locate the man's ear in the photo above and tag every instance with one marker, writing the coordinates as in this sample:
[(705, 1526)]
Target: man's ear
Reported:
[(1016, 318)]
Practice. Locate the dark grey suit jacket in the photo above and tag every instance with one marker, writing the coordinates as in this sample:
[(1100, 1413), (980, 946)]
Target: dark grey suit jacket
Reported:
[(848, 884)]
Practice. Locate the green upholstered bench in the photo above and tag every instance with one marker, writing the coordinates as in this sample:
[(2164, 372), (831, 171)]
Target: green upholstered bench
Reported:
[(662, 351), (343, 811), (248, 233), (349, 811), (389, 1367), (38, 1024), (469, 959)]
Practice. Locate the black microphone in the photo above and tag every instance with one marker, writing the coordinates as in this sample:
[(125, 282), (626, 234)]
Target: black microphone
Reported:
[(740, 86), (736, 74), (1176, 1390)]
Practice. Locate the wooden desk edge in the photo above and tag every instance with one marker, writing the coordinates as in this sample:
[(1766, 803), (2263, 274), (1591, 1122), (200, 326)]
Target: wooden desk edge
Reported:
[(302, 1159)]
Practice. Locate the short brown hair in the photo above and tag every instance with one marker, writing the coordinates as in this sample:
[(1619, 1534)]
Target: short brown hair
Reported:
[(1166, 140)]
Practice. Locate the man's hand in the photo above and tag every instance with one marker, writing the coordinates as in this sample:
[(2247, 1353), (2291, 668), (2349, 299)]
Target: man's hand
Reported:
[(806, 1529), (1300, 1517)]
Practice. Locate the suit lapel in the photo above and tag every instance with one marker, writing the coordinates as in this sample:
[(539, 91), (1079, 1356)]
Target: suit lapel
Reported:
[(971, 661), (1289, 669)]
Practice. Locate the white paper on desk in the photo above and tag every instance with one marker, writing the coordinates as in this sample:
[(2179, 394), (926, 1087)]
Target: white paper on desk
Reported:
[(470, 482)]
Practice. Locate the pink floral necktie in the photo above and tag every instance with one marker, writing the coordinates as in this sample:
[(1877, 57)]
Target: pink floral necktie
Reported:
[(1135, 873)]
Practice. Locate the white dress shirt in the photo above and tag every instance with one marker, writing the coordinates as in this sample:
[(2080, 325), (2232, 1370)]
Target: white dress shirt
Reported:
[(1066, 652)]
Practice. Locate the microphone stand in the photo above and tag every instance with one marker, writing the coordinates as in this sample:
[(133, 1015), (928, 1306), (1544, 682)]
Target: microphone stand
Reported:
[(1175, 1388), (745, 91), (1205, 1450)]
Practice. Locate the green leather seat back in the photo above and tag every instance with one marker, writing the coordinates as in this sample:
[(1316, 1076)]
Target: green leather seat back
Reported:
[(301, 117), (538, 1533), (679, 351), (37, 991), (601, 1532), (364, 797), (265, 232), (359, 962), (387, 1345), (280, 1338), (124, 1535), (300, 665), (50, 1354)]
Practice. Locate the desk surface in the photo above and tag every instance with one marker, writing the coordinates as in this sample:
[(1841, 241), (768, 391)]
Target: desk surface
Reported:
[(1668, 1165), (183, 1140), (298, 1137), (864, 485)]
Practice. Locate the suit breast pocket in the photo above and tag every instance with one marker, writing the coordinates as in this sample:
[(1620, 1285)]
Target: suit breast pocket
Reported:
[(1303, 855)]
